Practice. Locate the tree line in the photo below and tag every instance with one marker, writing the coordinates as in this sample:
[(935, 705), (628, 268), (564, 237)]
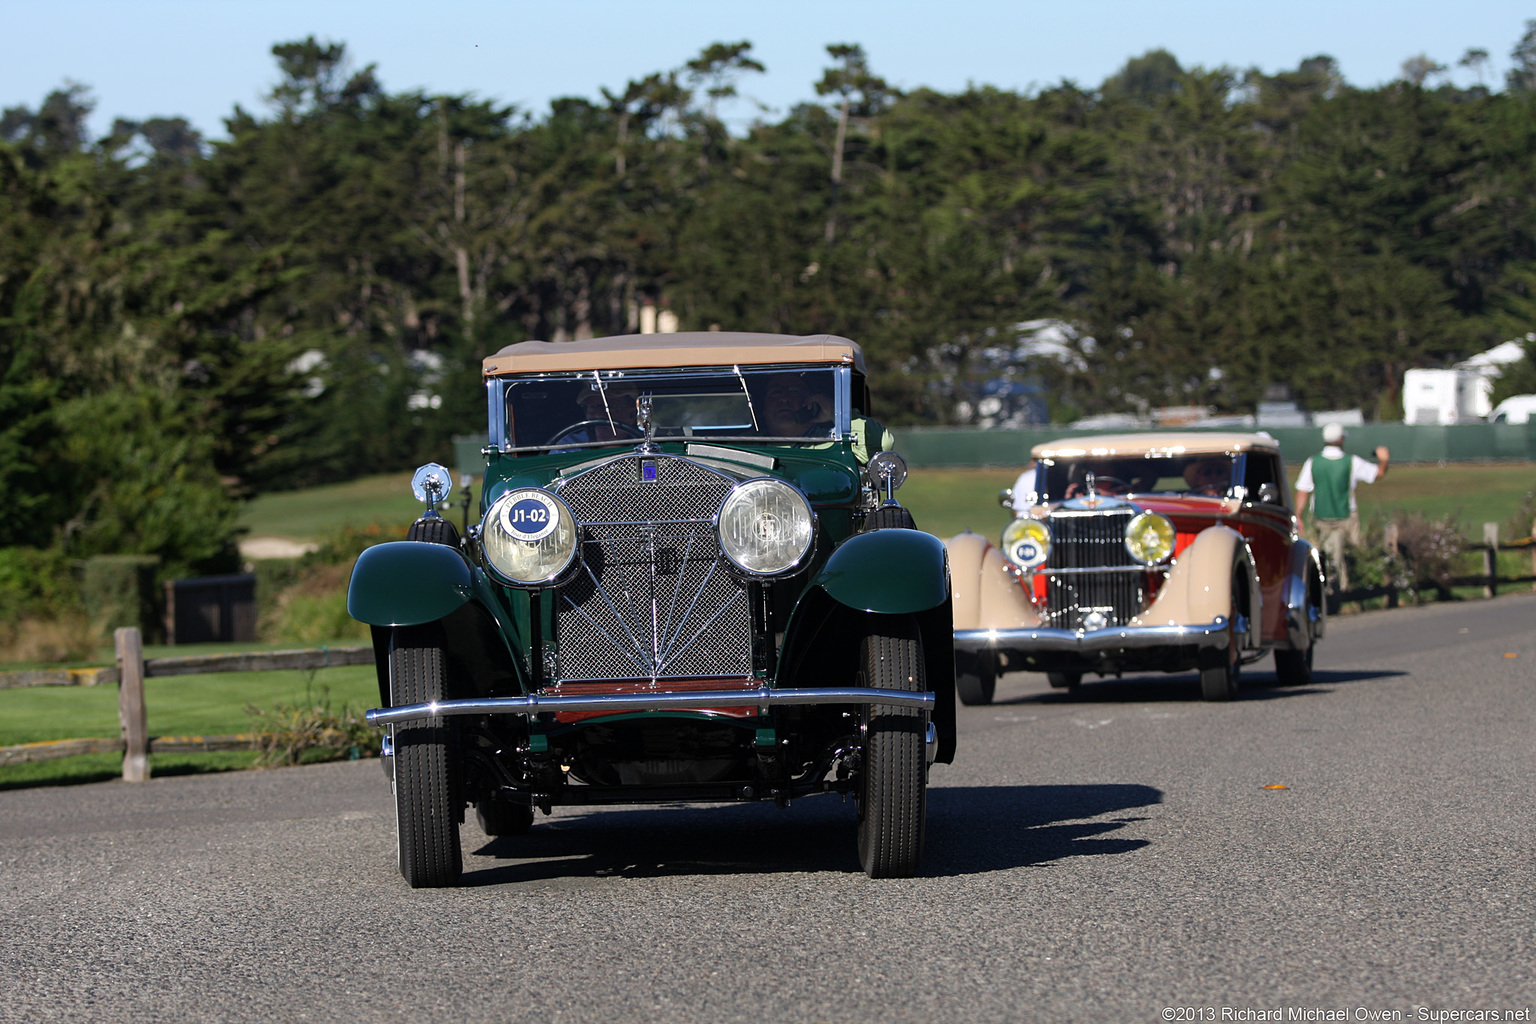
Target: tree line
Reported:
[(183, 323)]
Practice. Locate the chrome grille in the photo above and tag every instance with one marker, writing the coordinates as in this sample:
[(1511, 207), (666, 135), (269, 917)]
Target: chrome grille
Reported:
[(1092, 541), (652, 598)]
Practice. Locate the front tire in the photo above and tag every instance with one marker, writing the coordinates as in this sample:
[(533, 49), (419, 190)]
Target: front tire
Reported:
[(426, 784), (976, 677), (1294, 668), (1221, 666), (893, 784), (888, 517)]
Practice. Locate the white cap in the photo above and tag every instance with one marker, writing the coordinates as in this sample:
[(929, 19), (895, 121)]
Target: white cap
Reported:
[(1333, 433)]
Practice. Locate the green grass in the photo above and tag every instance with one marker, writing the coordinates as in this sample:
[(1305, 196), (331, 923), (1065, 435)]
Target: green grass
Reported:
[(67, 771), (310, 514), (204, 705), (949, 501), (1473, 494)]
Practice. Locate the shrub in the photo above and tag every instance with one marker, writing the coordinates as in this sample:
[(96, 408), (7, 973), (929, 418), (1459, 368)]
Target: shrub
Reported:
[(311, 731), (42, 618), (1373, 564), (37, 582), (1519, 524), (119, 590), (311, 606), (48, 640), (344, 545), (1430, 546)]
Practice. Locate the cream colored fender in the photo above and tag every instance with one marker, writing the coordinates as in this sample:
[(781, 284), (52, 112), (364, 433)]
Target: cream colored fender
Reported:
[(985, 594), (1199, 586)]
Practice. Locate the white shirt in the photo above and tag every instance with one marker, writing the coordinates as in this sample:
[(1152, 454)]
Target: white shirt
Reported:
[(1024, 496), (1361, 472)]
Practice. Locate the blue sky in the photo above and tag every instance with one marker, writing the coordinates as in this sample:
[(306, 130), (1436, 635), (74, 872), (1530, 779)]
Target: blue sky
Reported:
[(199, 58)]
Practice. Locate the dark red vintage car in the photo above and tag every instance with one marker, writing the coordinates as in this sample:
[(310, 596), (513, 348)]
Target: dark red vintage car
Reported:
[(1141, 552)]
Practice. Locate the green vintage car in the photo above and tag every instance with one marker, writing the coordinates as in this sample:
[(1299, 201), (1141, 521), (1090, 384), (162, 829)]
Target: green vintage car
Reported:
[(690, 582)]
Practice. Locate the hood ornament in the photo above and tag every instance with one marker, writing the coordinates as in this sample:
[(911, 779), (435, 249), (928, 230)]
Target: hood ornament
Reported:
[(646, 423)]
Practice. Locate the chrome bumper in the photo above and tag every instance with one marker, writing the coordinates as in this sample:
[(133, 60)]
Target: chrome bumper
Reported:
[(1091, 641), (620, 702)]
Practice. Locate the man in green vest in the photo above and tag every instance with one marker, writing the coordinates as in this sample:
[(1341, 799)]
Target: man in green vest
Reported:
[(1327, 486)]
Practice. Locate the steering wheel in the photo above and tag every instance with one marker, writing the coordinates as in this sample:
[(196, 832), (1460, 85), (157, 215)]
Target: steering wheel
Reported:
[(1109, 485), (620, 428)]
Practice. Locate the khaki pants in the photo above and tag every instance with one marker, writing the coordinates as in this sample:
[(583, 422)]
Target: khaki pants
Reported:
[(1333, 537)]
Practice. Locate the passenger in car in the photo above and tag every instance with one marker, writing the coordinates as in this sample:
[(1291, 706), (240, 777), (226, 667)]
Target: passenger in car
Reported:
[(1212, 476)]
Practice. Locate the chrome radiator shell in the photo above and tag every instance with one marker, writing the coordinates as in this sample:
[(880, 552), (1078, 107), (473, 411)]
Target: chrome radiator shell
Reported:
[(652, 597), (1090, 570)]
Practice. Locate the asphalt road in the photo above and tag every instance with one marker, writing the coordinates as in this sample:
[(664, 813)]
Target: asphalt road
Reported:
[(1112, 855)]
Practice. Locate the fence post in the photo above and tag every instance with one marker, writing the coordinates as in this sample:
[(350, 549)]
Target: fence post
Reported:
[(1491, 559), (1389, 544), (131, 712)]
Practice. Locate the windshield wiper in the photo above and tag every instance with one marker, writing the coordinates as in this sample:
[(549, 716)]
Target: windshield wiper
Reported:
[(750, 410)]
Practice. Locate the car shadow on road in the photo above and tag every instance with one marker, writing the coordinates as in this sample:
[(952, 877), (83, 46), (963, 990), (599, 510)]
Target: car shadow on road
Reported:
[(970, 830), (1257, 685)]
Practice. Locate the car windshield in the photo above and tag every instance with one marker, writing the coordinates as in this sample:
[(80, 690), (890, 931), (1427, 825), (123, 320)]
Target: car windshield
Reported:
[(1209, 475), (551, 411)]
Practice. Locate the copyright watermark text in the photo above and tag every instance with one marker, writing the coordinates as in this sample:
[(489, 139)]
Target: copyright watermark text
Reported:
[(1205, 1014)]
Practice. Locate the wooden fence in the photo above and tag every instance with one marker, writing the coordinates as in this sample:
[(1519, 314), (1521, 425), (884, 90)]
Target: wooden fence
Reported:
[(129, 673), (1489, 579)]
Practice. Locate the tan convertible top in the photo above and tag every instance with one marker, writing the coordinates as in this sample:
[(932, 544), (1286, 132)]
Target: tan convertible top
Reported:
[(697, 348), (1184, 443)]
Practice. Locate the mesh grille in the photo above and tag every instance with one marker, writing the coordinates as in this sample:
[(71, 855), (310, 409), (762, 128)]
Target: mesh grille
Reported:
[(1093, 540), (652, 598)]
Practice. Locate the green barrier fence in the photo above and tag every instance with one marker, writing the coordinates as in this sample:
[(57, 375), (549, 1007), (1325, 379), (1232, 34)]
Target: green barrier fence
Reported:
[(1409, 443), (951, 446)]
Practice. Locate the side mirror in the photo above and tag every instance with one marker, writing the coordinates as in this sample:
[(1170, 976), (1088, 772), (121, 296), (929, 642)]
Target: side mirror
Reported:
[(887, 471), (431, 485), (1269, 494), (1005, 497)]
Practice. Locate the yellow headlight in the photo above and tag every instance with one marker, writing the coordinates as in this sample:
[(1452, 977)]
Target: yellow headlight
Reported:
[(1026, 542), (1149, 538)]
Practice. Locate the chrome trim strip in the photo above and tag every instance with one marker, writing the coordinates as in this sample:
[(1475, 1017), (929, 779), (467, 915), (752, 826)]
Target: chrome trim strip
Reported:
[(842, 404), (621, 702), (706, 521), (1092, 570), (1047, 638), (496, 411)]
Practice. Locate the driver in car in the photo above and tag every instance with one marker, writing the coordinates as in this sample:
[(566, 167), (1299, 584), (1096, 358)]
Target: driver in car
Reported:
[(796, 408), (614, 420)]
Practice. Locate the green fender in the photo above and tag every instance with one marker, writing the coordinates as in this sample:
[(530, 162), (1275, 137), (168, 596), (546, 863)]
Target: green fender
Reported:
[(891, 572), (883, 572), (407, 583)]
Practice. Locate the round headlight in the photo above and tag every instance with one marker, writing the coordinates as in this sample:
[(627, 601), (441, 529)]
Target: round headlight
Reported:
[(1027, 543), (1149, 538), (765, 527), (529, 536)]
